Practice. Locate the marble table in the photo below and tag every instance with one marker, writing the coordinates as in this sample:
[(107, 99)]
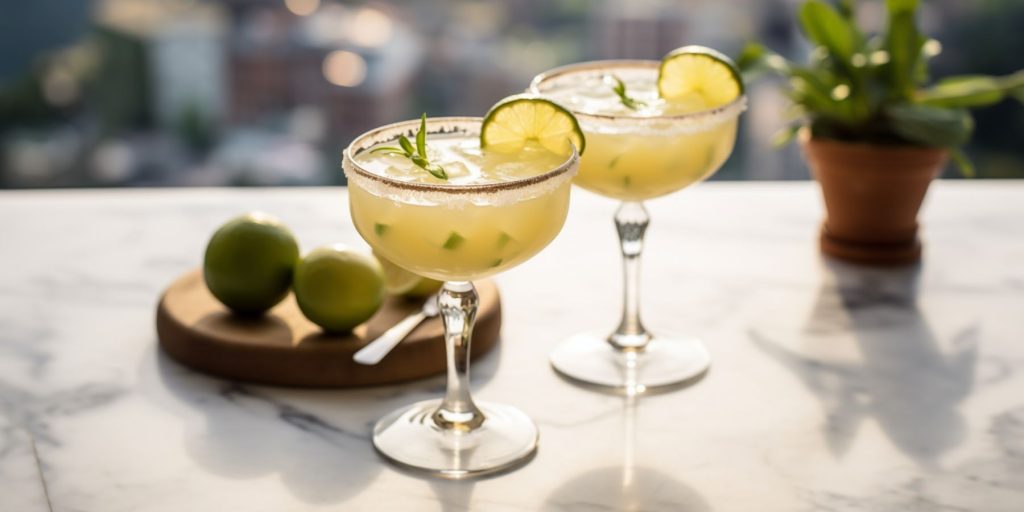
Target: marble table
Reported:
[(833, 387)]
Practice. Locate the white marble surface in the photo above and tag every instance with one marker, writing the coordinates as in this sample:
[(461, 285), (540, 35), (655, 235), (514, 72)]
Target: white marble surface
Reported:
[(832, 388)]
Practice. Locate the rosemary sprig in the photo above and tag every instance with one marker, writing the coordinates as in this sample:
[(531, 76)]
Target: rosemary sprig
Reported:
[(620, 89), (417, 154)]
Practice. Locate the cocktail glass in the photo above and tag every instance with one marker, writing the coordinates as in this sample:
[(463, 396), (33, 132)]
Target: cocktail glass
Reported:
[(633, 158), (456, 233)]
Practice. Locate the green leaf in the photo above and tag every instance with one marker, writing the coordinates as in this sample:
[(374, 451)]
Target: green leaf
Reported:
[(931, 126), (437, 171), (901, 5), (812, 89), (963, 162), (406, 145), (963, 91), (824, 26), (755, 59), (751, 56), (903, 42), (785, 136), (421, 136), (417, 154), (454, 241), (380, 229), (625, 99), (1018, 93)]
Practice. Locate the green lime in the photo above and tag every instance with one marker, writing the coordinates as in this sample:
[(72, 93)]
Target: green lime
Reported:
[(397, 280), (527, 117), (249, 263), (424, 288), (338, 288), (701, 75)]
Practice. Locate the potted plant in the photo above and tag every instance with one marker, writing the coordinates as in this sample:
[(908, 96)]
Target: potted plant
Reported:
[(872, 132)]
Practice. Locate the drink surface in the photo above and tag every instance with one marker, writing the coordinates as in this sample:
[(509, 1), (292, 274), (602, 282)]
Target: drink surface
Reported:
[(665, 155), (452, 234), (465, 162)]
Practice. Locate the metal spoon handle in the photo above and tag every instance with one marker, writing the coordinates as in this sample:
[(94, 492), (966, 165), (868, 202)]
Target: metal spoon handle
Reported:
[(374, 351)]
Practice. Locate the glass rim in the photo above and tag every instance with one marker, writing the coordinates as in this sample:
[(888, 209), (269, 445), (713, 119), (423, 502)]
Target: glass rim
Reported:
[(734, 108), (459, 124)]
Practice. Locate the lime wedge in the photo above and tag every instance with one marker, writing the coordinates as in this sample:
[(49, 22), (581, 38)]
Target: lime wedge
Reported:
[(397, 280), (700, 76), (423, 289), (515, 120)]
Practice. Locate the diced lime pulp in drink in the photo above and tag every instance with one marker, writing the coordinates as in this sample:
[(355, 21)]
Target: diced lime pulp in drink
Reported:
[(467, 235), (635, 166)]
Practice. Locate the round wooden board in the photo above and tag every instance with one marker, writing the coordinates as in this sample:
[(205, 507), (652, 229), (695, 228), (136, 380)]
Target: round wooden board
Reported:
[(284, 348)]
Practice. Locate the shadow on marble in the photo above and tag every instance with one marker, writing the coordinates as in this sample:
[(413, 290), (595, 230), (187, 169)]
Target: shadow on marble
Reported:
[(629, 485), (453, 495), (868, 352), (624, 488), (316, 441)]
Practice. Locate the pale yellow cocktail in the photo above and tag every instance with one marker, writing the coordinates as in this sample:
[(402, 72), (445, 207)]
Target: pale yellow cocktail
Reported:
[(636, 154), (651, 128), (448, 209), (486, 217)]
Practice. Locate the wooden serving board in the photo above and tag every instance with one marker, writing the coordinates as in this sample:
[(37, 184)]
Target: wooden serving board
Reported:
[(284, 348)]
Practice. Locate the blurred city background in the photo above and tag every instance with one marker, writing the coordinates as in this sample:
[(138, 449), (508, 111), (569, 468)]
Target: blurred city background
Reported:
[(268, 92)]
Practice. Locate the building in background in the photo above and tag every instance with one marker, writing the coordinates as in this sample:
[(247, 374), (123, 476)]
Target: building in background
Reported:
[(175, 62), (268, 92)]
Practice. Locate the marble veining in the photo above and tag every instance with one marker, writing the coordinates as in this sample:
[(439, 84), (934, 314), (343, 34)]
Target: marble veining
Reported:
[(833, 387)]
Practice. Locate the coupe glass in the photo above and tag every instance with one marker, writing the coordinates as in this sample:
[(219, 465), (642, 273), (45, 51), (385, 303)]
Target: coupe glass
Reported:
[(632, 159), (496, 226)]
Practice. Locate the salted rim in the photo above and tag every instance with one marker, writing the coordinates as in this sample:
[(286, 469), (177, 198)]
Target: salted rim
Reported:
[(439, 126), (711, 116)]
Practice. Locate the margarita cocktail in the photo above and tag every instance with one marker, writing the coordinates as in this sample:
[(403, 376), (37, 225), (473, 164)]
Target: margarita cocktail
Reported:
[(652, 128), (448, 209), (489, 225)]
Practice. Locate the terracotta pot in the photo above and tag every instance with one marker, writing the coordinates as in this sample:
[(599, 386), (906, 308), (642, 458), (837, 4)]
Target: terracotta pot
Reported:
[(872, 196)]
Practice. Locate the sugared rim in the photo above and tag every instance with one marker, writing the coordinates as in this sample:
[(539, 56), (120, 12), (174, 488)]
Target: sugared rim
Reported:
[(733, 108), (448, 125)]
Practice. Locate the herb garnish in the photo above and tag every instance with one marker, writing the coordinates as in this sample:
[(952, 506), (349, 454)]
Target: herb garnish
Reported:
[(417, 154), (627, 100)]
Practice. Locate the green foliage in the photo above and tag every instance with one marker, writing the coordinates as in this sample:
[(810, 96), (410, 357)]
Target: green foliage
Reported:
[(620, 90), (873, 87), (931, 126), (825, 27), (417, 154)]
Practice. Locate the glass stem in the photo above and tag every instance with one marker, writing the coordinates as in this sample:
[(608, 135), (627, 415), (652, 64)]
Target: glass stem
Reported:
[(631, 220), (458, 303)]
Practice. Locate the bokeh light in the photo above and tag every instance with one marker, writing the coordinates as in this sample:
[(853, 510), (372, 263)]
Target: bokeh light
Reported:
[(344, 68), (370, 27), (302, 7)]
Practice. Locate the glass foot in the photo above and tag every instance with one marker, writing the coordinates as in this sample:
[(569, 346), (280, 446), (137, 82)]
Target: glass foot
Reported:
[(589, 358), (410, 438)]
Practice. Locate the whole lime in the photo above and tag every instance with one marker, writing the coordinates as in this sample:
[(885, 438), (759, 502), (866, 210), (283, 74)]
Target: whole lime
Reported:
[(338, 288), (397, 280), (249, 263), (424, 288)]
